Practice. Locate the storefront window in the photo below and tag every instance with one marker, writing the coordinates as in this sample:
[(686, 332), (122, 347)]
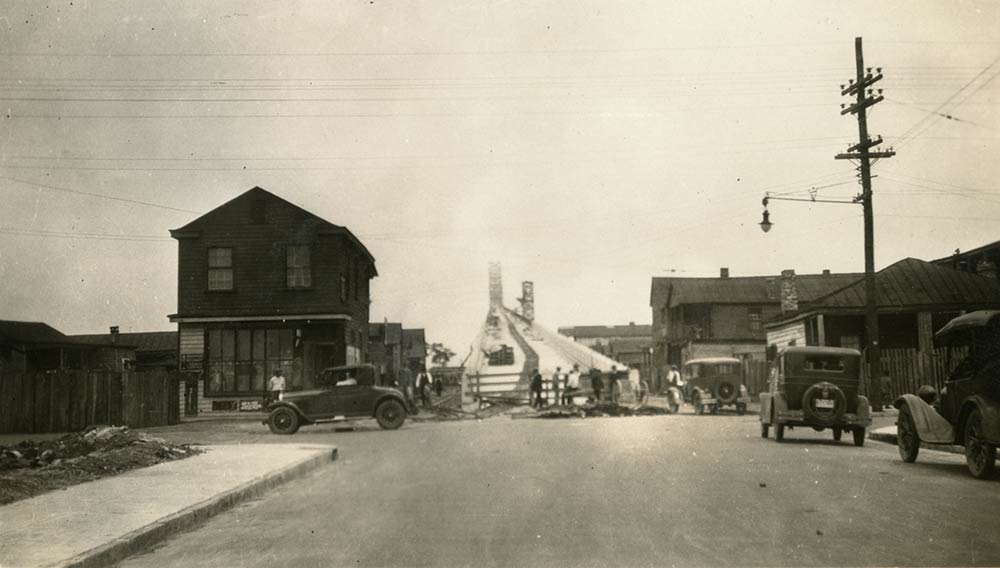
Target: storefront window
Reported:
[(240, 361)]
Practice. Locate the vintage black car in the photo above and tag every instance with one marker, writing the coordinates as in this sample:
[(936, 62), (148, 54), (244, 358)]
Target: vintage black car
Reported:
[(816, 387), (713, 382), (341, 393), (967, 412)]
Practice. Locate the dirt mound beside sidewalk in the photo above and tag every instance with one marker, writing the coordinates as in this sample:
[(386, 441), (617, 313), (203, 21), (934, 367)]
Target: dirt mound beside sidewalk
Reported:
[(33, 467)]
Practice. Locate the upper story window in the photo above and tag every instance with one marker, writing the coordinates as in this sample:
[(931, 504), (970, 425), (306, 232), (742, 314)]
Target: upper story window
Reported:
[(298, 270), (220, 268), (756, 316)]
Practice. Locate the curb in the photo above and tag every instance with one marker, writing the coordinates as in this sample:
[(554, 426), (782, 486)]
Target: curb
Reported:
[(140, 540), (890, 438)]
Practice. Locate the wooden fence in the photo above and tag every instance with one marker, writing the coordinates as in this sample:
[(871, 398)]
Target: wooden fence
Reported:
[(909, 369), (68, 401)]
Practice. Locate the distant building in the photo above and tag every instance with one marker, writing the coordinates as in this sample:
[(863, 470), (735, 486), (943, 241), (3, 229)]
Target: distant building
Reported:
[(33, 347), (630, 344), (915, 300), (982, 260), (414, 348), (385, 349), (262, 285), (149, 350), (724, 316)]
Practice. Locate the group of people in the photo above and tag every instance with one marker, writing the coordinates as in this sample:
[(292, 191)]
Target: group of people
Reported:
[(421, 385), (568, 385)]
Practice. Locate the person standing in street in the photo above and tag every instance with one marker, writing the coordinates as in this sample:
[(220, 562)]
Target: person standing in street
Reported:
[(536, 389), (405, 380), (596, 384), (674, 379), (276, 386), (556, 377), (423, 384), (572, 385)]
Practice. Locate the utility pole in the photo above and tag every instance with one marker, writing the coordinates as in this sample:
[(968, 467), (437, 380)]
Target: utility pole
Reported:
[(865, 97)]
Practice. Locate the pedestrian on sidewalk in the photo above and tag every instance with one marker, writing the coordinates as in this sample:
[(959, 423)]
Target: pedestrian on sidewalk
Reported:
[(536, 389), (276, 386), (556, 377), (596, 383), (572, 385)]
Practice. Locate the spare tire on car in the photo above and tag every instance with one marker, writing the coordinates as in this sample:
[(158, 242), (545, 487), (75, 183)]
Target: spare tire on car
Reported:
[(824, 404)]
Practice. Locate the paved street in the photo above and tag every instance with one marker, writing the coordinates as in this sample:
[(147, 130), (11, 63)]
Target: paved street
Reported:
[(671, 490)]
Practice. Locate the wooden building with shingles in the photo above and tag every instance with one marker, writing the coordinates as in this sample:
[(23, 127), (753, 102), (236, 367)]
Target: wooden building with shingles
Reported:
[(262, 285)]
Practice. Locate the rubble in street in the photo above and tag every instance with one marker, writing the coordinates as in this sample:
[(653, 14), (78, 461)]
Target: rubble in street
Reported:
[(31, 467)]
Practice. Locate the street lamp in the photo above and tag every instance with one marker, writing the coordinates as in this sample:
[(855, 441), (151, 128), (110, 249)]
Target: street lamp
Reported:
[(765, 221)]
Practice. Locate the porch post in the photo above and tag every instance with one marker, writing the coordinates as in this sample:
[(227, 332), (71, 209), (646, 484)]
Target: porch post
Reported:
[(820, 330)]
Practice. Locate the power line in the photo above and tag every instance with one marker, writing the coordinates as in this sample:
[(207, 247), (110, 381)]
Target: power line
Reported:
[(97, 195)]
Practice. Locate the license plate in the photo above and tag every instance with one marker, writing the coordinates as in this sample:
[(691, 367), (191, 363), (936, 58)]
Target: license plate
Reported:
[(824, 403)]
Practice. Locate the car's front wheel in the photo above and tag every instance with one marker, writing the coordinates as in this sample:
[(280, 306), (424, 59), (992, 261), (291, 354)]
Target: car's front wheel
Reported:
[(390, 415), (980, 455), (283, 420), (907, 439)]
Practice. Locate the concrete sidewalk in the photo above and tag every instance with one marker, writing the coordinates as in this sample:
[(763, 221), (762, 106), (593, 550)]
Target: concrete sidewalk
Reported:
[(104, 521)]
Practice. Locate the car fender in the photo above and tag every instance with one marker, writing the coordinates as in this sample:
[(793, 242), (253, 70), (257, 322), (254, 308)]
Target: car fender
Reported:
[(286, 404), (676, 394), (990, 411), (390, 396), (931, 427)]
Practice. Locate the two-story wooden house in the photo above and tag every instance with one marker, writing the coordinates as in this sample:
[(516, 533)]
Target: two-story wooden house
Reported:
[(263, 285)]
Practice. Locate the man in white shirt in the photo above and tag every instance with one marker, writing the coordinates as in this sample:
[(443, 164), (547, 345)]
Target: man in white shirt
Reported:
[(572, 384), (276, 385)]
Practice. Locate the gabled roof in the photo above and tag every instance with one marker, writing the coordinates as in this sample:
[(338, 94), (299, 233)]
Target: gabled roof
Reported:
[(970, 252), (912, 282), (591, 331), (141, 341), (257, 197), (743, 289)]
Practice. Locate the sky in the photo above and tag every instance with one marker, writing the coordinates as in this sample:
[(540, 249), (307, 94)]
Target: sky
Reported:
[(587, 146)]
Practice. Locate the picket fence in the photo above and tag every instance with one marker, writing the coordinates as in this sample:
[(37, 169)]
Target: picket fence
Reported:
[(67, 401)]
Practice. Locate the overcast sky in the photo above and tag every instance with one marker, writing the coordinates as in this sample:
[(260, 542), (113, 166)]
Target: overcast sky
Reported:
[(588, 146)]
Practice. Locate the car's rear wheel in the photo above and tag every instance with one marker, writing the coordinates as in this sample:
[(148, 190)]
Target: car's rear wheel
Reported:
[(726, 392), (907, 439), (837, 434), (674, 408), (859, 436), (764, 428), (390, 415), (779, 432), (980, 455), (283, 420)]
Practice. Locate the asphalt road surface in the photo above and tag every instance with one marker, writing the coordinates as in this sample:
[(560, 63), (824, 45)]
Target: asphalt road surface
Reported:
[(646, 491)]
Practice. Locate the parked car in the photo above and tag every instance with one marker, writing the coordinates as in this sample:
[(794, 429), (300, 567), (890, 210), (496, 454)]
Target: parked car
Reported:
[(714, 382), (967, 412), (818, 387), (341, 393)]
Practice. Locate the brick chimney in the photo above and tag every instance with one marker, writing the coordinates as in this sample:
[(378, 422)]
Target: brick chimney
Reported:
[(789, 292), (723, 273), (114, 334), (826, 272)]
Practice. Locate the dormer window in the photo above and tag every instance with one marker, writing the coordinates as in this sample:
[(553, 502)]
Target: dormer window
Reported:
[(298, 269), (220, 269)]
